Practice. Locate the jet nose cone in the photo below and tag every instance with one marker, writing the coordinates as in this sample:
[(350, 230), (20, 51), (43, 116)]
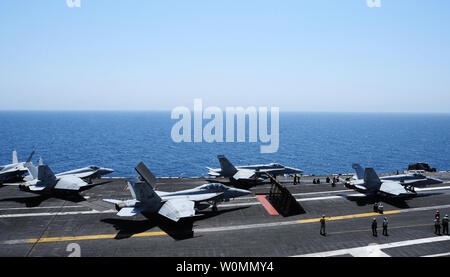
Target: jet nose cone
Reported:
[(105, 171), (294, 170)]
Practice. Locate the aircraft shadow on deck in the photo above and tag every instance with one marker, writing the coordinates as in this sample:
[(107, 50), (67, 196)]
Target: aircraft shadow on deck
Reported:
[(396, 202), (181, 230), (94, 185), (237, 184), (36, 201), (366, 200)]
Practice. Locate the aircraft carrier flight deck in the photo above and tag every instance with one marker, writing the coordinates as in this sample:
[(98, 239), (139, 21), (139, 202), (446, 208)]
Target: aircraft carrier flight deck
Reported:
[(35, 226)]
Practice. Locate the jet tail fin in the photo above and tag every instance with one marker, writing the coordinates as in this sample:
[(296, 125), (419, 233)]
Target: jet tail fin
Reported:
[(15, 160), (46, 176), (30, 157), (129, 211), (32, 169), (146, 174), (228, 168), (359, 171), (371, 179), (143, 192)]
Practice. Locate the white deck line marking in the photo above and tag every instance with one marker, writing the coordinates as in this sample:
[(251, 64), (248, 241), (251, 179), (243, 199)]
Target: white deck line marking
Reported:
[(276, 224), (239, 204), (282, 223), (366, 251), (298, 200), (371, 250), (433, 188), (320, 198), (338, 191), (309, 193), (15, 241), (223, 205), (36, 208), (247, 226), (424, 208), (323, 192), (220, 205), (57, 213), (437, 255)]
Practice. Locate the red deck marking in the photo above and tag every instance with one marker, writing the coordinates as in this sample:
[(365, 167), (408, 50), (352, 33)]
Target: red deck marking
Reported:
[(269, 208)]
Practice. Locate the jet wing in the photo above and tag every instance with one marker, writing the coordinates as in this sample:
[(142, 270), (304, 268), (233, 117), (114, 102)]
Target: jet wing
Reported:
[(128, 211), (81, 175), (130, 202), (14, 171), (112, 201), (244, 174), (422, 182), (213, 172), (84, 174), (174, 209), (70, 182), (36, 188), (394, 188)]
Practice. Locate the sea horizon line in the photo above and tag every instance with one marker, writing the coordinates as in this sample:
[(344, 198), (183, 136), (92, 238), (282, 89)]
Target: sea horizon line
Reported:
[(281, 111)]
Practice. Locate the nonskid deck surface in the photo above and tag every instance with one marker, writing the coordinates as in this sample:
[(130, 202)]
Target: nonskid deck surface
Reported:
[(32, 225)]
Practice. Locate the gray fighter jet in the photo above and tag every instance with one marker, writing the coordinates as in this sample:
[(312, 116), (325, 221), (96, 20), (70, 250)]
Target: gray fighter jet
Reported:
[(255, 173), (172, 205), (42, 179), (14, 172), (372, 185), (86, 173), (408, 180), (46, 182)]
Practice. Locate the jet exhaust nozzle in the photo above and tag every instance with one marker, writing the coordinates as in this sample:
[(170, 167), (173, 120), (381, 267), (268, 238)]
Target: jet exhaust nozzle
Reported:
[(349, 185)]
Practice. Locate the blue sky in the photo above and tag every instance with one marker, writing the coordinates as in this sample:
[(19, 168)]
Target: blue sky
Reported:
[(313, 55)]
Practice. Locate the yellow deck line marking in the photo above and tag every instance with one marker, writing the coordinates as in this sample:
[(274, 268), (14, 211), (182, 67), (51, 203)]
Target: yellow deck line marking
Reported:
[(93, 237), (347, 216), (149, 234)]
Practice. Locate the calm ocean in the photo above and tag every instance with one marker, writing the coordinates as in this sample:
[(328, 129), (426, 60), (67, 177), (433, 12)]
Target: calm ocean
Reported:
[(318, 143)]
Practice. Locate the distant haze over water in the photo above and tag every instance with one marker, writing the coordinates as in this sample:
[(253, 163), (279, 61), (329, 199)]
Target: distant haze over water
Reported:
[(318, 143)]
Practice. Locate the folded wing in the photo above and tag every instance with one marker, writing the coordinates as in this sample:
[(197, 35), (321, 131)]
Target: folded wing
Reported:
[(70, 182), (175, 209), (244, 174), (129, 211), (393, 188)]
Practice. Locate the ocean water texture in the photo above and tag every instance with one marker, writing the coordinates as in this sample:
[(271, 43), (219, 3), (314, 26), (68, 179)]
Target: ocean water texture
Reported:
[(318, 143)]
